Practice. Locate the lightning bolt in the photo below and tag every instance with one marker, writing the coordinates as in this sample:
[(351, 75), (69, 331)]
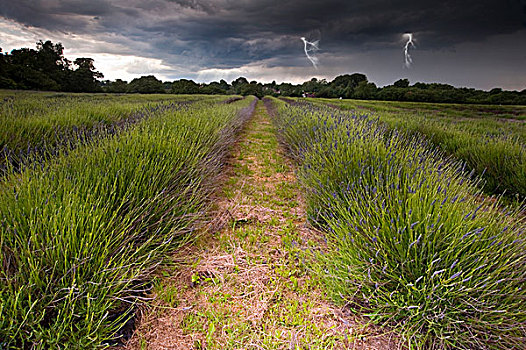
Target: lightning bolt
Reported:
[(311, 47), (408, 59)]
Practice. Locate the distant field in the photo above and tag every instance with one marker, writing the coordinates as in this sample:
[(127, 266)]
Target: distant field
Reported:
[(490, 139), (439, 109), (35, 124)]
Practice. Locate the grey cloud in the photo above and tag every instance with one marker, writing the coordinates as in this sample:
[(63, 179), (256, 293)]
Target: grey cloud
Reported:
[(232, 33)]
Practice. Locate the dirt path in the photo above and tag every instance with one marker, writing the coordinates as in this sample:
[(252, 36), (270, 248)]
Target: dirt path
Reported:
[(244, 284)]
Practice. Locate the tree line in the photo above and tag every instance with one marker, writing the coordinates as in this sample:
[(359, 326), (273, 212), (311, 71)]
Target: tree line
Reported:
[(46, 68), (345, 86)]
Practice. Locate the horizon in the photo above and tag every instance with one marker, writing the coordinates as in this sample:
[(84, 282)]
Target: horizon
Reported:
[(473, 45)]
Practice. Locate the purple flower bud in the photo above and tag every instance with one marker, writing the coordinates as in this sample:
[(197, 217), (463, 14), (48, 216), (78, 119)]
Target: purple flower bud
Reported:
[(455, 275), (453, 265), (437, 272)]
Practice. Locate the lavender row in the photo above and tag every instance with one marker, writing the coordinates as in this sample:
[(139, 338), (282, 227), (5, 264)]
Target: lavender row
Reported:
[(37, 128), (411, 239), (81, 236), (494, 148)]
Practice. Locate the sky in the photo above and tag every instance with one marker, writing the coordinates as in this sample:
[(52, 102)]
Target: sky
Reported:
[(471, 43)]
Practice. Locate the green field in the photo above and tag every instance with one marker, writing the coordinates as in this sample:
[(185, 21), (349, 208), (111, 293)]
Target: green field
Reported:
[(418, 207), (39, 124), (412, 241), (82, 231), (491, 140)]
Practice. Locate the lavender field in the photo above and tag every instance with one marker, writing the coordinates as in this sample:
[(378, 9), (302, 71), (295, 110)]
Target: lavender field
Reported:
[(88, 215), (412, 241), (416, 226)]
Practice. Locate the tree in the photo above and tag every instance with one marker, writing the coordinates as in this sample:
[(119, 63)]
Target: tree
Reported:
[(391, 93), (147, 84), (401, 83), (238, 84), (287, 89), (84, 78), (240, 81), (347, 80), (344, 85), (41, 69), (224, 85), (214, 88), (185, 86), (5, 81), (314, 85), (365, 91), (118, 86), (50, 58), (25, 71), (419, 85), (326, 92), (252, 88), (46, 68)]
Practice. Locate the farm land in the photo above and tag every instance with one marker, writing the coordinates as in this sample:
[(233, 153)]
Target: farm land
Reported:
[(220, 222)]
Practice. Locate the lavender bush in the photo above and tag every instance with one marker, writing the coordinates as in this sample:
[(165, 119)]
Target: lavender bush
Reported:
[(412, 242)]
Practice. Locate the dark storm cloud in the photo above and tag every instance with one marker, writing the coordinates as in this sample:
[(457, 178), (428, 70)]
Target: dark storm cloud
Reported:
[(340, 21), (351, 20), (55, 15), (230, 33)]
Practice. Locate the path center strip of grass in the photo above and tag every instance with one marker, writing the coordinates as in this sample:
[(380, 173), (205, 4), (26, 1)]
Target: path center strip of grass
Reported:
[(243, 284)]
